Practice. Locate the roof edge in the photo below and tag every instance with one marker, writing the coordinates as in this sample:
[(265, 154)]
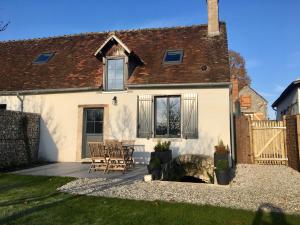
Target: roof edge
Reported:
[(211, 84), (108, 32), (291, 86), (48, 91)]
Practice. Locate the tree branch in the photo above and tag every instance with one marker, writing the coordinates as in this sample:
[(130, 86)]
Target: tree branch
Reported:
[(3, 26)]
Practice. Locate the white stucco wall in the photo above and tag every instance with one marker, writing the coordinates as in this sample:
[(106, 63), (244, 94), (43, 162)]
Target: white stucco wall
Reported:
[(290, 102), (60, 120)]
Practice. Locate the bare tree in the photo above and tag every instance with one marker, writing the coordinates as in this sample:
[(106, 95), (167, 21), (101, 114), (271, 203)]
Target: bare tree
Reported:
[(3, 25), (238, 69)]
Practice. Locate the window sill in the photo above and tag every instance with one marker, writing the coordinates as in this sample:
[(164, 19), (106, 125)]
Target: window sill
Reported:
[(172, 139), (115, 92)]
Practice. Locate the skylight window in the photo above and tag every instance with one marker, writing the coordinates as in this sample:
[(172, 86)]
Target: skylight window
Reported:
[(43, 58), (173, 57)]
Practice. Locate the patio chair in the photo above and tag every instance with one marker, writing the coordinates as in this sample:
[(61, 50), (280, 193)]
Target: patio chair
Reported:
[(129, 153), (98, 155), (116, 157), (110, 142)]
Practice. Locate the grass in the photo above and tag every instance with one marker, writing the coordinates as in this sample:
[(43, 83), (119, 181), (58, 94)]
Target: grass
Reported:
[(34, 200)]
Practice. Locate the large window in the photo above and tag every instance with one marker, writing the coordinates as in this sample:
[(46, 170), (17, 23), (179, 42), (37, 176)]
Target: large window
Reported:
[(167, 116), (115, 74)]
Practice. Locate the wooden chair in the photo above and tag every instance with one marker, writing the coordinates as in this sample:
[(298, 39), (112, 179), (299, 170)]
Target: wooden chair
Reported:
[(116, 157), (110, 142), (129, 153), (98, 155)]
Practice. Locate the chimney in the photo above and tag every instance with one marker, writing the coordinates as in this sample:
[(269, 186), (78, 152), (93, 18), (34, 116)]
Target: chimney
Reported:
[(213, 17), (235, 89)]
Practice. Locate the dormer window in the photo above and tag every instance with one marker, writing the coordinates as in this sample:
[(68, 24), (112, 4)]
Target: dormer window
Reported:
[(173, 57), (119, 63), (115, 74)]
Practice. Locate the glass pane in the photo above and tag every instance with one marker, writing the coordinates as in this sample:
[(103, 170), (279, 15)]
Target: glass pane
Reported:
[(115, 74), (90, 127), (90, 115), (173, 56), (119, 64), (98, 127), (161, 116), (44, 57), (111, 65), (174, 116), (118, 84), (98, 115)]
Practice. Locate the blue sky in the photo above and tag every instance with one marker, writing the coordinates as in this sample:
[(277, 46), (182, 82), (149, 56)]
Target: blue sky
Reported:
[(265, 32)]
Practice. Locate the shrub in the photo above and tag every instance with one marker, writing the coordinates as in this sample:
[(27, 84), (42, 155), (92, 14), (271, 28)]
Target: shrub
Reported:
[(162, 146), (221, 148), (222, 165), (154, 164)]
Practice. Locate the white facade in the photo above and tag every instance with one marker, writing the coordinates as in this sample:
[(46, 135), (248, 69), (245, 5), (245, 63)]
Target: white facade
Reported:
[(289, 105), (62, 120)]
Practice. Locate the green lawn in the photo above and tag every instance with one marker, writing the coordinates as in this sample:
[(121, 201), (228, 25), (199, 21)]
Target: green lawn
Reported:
[(34, 200)]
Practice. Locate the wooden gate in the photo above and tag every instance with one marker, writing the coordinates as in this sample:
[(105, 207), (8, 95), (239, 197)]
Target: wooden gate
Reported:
[(268, 142)]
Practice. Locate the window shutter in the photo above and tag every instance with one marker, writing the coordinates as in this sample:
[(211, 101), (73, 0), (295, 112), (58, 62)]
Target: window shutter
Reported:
[(144, 116), (189, 116)]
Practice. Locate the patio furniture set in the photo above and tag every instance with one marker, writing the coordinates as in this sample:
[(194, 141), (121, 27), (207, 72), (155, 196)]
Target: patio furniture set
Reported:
[(111, 155)]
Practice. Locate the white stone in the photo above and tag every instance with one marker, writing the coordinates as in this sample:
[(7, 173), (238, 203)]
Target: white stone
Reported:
[(254, 187), (148, 178)]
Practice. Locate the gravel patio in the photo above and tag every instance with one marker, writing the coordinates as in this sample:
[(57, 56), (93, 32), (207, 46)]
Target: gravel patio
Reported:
[(254, 186)]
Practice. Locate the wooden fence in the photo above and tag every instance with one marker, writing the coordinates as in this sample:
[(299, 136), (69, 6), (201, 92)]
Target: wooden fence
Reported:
[(261, 142), (269, 142)]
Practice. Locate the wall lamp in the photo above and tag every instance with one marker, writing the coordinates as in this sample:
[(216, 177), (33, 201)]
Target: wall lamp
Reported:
[(115, 100)]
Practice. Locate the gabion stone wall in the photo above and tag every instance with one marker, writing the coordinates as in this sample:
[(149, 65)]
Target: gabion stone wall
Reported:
[(19, 138)]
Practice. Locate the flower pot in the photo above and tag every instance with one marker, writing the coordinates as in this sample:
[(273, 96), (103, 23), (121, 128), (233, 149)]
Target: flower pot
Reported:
[(156, 174), (222, 177), (220, 156), (164, 156)]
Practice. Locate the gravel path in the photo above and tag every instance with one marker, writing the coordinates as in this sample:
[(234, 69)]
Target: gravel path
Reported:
[(277, 188)]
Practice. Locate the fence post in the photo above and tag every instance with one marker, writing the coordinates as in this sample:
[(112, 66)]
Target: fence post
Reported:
[(251, 150), (298, 138)]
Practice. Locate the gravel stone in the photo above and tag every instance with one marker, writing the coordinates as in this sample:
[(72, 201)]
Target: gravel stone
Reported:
[(275, 188)]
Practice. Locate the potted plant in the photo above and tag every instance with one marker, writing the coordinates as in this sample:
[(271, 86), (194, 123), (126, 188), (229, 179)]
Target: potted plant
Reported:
[(221, 152), (162, 151), (222, 172), (154, 168)]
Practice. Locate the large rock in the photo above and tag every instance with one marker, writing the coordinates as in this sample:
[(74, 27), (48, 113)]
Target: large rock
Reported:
[(198, 166)]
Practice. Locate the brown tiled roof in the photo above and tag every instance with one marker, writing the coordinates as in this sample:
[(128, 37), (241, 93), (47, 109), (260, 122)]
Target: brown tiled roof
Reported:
[(74, 64)]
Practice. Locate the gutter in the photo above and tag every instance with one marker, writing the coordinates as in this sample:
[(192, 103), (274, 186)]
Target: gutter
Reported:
[(217, 84), (48, 91)]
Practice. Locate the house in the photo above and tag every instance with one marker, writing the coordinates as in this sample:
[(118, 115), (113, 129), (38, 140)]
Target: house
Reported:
[(150, 84), (248, 102), (252, 104), (288, 101)]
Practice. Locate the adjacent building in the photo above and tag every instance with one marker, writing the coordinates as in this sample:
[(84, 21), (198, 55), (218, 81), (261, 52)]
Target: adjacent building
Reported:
[(288, 101)]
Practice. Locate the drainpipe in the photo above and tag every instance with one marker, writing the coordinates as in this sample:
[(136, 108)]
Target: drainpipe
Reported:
[(232, 136), (21, 99), (276, 110)]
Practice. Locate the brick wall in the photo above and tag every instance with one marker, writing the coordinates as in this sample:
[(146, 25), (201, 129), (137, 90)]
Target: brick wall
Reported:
[(19, 138), (292, 140)]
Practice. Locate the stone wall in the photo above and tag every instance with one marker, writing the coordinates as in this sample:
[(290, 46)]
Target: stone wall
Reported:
[(292, 140), (19, 138)]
